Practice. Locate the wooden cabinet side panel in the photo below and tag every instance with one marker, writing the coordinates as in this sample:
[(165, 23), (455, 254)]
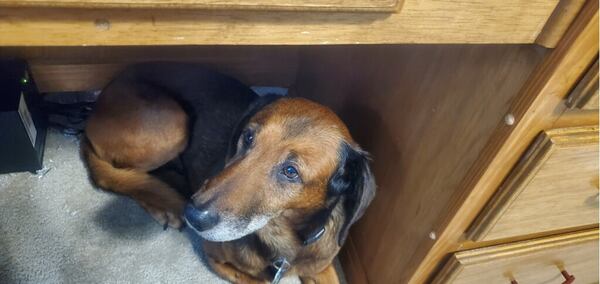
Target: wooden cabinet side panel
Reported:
[(64, 69), (424, 113)]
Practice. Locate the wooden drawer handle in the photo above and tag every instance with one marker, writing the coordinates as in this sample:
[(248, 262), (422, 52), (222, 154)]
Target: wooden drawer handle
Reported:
[(568, 278)]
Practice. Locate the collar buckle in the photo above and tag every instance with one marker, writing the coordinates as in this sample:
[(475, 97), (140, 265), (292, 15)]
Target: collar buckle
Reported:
[(281, 266)]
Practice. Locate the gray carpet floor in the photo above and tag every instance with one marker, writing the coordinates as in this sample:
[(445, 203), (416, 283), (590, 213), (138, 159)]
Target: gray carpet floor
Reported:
[(56, 228)]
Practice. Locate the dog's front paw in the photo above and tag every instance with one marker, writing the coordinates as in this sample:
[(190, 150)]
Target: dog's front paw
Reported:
[(167, 214)]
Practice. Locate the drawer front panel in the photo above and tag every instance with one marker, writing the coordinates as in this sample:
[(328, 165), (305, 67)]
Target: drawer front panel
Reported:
[(296, 5), (554, 187), (531, 261)]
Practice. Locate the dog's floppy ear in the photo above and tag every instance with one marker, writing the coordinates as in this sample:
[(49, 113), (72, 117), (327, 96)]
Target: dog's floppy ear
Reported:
[(354, 183), (254, 108)]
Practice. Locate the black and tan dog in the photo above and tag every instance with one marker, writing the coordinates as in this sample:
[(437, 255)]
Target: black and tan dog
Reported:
[(277, 181)]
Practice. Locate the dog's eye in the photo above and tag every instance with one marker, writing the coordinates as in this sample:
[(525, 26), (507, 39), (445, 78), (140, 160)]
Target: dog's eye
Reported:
[(290, 172), (248, 138)]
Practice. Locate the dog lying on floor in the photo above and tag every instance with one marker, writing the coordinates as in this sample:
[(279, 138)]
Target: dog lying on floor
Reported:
[(278, 181)]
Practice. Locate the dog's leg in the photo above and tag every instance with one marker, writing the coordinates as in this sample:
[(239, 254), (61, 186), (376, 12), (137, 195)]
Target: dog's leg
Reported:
[(231, 274), (135, 129), (163, 203), (327, 276)]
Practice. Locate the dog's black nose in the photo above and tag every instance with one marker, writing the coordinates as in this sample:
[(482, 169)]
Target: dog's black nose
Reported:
[(200, 219)]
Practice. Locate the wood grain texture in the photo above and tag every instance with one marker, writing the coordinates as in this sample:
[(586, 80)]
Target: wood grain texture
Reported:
[(295, 5), (576, 117), (585, 94), (426, 21), (559, 22), (59, 69), (543, 92), (425, 113), (468, 245), (554, 187), (531, 261), (73, 78), (354, 271)]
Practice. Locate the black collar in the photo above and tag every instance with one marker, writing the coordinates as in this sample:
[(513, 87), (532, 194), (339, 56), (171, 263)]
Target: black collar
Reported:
[(309, 235), (316, 227), (314, 236)]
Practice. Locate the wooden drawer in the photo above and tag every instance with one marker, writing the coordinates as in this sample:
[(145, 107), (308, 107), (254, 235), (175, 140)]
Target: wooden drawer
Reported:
[(531, 261), (296, 5), (253, 22), (585, 94), (554, 186)]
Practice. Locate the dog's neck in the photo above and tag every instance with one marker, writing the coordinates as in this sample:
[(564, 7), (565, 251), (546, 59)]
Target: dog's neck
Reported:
[(281, 236)]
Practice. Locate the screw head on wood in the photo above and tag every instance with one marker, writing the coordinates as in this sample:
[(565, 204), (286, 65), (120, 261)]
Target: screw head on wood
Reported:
[(509, 119), (432, 235), (102, 24)]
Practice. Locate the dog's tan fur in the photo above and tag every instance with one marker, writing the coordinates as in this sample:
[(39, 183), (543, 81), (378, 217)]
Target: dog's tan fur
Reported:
[(128, 136)]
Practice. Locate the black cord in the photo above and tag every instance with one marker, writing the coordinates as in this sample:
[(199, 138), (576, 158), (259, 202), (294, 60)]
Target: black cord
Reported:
[(68, 117)]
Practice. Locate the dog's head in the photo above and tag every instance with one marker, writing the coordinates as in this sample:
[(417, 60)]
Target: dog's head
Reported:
[(287, 155)]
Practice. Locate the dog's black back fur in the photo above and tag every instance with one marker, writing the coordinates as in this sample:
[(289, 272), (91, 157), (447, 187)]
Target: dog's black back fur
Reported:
[(214, 103)]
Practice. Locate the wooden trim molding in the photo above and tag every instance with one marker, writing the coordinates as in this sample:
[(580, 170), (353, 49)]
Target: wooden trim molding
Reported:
[(527, 246), (585, 95), (278, 5), (558, 23)]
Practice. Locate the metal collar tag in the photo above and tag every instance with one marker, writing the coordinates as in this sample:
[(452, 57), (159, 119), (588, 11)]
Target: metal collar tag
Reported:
[(281, 267)]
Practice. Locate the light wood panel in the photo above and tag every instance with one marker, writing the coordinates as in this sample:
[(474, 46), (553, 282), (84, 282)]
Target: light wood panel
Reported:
[(576, 117), (533, 111), (554, 187), (296, 5), (425, 113), (424, 21), (468, 245), (585, 95), (559, 22), (531, 261), (91, 68)]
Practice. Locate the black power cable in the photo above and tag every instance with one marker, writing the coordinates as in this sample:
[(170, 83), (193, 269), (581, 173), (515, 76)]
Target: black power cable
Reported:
[(68, 112)]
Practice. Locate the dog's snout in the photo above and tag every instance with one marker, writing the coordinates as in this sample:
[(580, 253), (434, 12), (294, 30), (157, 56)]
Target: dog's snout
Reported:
[(200, 219)]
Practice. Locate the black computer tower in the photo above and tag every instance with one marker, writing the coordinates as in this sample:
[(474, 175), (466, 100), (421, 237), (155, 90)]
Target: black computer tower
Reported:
[(22, 122)]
